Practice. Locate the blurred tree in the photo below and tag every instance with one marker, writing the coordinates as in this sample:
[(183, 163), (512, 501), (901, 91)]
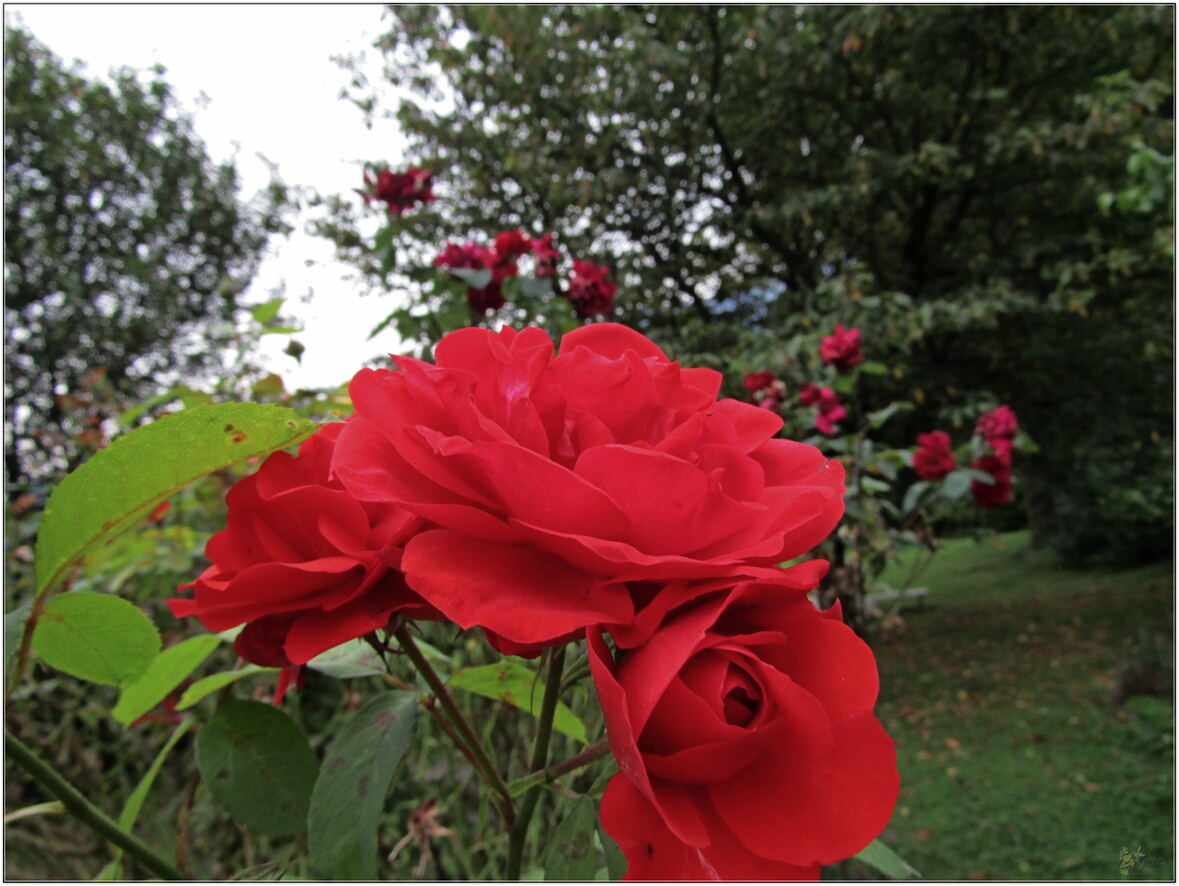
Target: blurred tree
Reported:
[(984, 190), (124, 250)]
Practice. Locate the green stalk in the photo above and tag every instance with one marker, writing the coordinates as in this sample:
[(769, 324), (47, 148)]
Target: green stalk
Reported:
[(540, 753), (552, 773), (85, 811), (474, 748)]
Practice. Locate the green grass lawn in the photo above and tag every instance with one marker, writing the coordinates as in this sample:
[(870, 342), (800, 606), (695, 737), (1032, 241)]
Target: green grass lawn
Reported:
[(1015, 762)]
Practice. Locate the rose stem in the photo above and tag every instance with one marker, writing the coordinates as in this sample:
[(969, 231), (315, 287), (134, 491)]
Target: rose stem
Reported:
[(85, 811), (540, 753), (552, 773), (485, 767)]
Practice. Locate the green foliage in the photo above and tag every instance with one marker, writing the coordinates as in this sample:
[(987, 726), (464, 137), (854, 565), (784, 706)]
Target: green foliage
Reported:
[(518, 685), (569, 854), (163, 675), (984, 191), (97, 637), (878, 855), (256, 762), (355, 776), (125, 250)]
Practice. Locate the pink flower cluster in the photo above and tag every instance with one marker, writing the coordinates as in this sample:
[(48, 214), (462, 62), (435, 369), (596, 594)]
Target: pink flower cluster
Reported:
[(399, 191), (843, 349), (589, 290)]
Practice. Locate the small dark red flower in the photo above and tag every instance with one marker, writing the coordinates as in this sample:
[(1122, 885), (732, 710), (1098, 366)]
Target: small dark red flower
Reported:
[(589, 290), (933, 459), (842, 350), (999, 427), (400, 191), (546, 256), (756, 381)]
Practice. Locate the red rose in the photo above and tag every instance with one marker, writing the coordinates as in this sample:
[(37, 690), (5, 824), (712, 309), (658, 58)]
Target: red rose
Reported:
[(302, 563), (756, 381), (999, 423), (468, 255), (399, 190), (746, 741), (842, 350), (997, 494), (552, 481), (589, 290), (829, 410), (510, 245), (933, 459)]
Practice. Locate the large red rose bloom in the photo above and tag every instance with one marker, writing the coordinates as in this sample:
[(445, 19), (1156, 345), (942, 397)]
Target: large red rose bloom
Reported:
[(552, 481), (302, 563), (746, 740)]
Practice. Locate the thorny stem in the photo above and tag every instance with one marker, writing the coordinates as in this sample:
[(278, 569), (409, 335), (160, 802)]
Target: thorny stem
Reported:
[(478, 755), (540, 753), (552, 773), (85, 811)]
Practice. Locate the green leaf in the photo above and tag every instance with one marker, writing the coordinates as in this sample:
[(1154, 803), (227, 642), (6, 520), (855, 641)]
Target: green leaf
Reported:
[(96, 637), (615, 859), (877, 854), (258, 765), (475, 278), (350, 793), (873, 368), (569, 854), (165, 673), (536, 287), (123, 482), (266, 312), (957, 483), (208, 685), (355, 659), (878, 418), (913, 495), (517, 685)]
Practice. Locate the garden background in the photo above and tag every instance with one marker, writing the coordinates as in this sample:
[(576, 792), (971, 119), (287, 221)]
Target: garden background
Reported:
[(985, 193)]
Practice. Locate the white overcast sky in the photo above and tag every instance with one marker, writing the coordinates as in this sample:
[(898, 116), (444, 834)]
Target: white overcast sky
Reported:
[(259, 79)]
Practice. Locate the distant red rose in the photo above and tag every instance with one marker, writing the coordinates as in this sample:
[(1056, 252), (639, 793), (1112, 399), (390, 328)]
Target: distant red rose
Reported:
[(589, 290), (997, 494), (489, 298), (468, 255), (933, 458), (829, 408), (756, 381), (1000, 422), (400, 191), (843, 349), (302, 564), (746, 740), (510, 245), (553, 481), (478, 258)]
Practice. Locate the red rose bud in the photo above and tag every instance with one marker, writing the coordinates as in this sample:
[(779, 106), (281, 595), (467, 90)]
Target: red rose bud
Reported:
[(998, 428), (552, 481), (830, 411), (933, 459), (510, 245), (992, 495), (746, 741), (842, 350), (589, 290), (302, 564)]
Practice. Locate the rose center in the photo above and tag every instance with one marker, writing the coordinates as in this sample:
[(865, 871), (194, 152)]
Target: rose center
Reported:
[(739, 707)]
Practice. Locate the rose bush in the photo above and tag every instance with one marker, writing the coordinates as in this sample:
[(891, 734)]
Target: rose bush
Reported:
[(997, 494), (745, 738), (302, 564), (552, 483)]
